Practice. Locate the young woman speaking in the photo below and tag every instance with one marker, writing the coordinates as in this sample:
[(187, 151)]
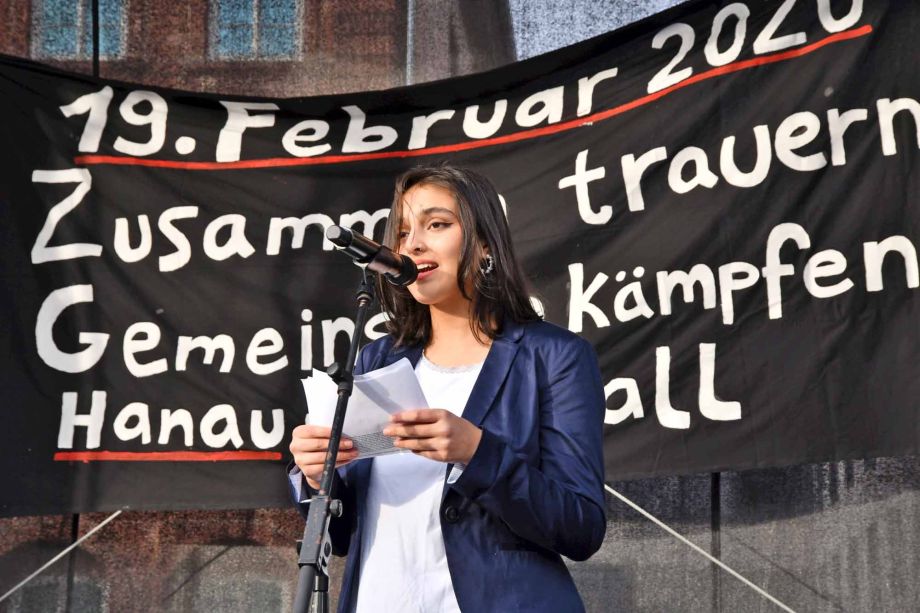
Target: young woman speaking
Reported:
[(506, 469)]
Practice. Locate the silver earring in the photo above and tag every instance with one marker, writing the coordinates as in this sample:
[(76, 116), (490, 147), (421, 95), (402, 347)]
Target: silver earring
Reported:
[(487, 265)]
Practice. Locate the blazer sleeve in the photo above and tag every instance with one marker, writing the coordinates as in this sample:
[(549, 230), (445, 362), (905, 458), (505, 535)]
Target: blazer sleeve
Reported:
[(340, 528), (558, 505)]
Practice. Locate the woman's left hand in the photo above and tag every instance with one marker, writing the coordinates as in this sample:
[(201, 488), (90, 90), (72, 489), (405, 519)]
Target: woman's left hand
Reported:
[(436, 434)]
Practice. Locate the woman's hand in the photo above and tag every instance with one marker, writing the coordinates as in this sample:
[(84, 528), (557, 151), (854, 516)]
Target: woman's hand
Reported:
[(436, 434), (309, 445)]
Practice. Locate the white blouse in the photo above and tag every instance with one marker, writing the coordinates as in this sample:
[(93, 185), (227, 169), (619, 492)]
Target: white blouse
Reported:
[(403, 563)]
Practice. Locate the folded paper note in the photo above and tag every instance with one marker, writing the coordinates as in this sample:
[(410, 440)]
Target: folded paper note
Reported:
[(376, 395)]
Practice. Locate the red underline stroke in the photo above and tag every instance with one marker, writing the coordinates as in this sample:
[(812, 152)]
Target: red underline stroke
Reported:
[(164, 456), (487, 142)]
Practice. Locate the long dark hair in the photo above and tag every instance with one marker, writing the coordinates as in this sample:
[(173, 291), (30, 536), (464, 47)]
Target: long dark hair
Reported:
[(496, 297)]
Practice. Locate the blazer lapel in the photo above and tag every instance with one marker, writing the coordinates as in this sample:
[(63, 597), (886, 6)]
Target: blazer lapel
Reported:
[(492, 376), (485, 390)]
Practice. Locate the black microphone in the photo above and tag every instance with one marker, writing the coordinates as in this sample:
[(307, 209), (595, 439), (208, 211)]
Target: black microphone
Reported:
[(397, 269)]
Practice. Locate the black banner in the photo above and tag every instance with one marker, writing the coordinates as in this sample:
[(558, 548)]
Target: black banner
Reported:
[(720, 198)]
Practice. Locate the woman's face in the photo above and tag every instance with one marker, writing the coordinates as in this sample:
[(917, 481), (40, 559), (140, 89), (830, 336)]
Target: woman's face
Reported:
[(432, 236)]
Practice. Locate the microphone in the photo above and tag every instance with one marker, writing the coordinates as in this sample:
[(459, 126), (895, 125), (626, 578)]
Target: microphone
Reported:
[(397, 269)]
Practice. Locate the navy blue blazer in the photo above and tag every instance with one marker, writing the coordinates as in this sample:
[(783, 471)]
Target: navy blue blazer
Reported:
[(532, 491)]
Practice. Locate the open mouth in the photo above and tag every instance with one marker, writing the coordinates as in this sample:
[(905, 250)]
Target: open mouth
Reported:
[(425, 268)]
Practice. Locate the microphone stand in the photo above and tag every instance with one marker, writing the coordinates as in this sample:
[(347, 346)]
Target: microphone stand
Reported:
[(316, 547)]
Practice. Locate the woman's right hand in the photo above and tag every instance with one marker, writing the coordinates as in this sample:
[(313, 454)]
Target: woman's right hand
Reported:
[(309, 445)]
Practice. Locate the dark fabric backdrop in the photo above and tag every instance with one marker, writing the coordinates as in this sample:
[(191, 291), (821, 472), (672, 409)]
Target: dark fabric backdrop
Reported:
[(831, 378)]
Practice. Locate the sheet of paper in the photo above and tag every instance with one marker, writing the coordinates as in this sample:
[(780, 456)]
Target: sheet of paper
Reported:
[(376, 395)]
